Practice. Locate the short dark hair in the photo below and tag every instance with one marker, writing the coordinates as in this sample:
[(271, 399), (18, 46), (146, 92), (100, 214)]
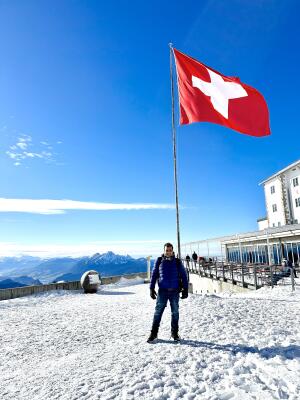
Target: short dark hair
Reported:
[(168, 244)]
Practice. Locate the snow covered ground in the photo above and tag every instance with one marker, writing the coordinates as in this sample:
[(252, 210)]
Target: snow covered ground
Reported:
[(67, 345)]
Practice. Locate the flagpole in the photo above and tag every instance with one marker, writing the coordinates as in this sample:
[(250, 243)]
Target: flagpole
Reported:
[(174, 152)]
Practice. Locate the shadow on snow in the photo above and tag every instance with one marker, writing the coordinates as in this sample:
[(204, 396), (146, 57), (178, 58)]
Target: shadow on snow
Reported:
[(289, 352)]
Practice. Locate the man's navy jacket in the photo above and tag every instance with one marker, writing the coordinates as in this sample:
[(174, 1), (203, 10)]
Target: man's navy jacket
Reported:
[(168, 272)]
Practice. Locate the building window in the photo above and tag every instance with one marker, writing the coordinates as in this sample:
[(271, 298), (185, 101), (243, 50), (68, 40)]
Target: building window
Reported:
[(279, 223), (274, 207), (295, 182), (272, 189), (297, 202), (273, 225), (295, 221)]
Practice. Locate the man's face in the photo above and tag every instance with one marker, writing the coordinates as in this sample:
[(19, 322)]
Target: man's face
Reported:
[(168, 251)]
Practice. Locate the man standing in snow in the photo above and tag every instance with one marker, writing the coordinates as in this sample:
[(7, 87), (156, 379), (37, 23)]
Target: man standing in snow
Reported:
[(172, 278)]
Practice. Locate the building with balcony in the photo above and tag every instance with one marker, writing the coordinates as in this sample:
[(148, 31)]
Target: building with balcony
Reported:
[(282, 198), (278, 236), (268, 246)]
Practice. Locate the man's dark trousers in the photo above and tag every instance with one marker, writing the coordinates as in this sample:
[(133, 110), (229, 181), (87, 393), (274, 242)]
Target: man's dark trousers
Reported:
[(161, 302)]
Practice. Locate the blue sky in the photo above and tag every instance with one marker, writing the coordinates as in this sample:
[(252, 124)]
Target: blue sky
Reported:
[(85, 116)]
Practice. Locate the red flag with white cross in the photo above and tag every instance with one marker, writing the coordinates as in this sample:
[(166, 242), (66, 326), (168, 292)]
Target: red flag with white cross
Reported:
[(208, 96)]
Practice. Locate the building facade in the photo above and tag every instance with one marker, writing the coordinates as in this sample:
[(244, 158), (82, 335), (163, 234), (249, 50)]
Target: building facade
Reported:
[(269, 246), (282, 198), (278, 236)]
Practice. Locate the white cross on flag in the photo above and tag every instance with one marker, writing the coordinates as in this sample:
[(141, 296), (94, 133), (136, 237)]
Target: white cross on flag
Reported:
[(207, 95)]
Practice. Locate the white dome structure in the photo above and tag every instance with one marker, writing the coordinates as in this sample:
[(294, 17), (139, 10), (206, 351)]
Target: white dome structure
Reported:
[(90, 281)]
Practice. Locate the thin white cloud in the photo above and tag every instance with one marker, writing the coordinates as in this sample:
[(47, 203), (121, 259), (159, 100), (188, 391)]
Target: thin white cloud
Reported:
[(11, 154), (25, 138), (22, 145), (48, 207), (24, 149)]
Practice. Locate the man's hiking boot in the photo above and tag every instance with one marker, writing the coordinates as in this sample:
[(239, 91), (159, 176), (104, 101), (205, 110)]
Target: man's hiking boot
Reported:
[(175, 336), (152, 337)]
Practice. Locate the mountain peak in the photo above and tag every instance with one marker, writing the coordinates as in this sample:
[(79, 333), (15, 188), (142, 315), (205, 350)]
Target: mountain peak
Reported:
[(109, 253)]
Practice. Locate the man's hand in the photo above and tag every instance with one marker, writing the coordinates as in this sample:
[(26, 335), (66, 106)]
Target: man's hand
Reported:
[(153, 294), (185, 294)]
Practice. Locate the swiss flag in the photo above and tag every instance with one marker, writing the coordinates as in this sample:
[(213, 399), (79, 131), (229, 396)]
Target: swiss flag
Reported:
[(207, 95)]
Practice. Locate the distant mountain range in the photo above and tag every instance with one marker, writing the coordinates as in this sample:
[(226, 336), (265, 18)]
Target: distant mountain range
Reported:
[(106, 264), (18, 281), (46, 270), (29, 270)]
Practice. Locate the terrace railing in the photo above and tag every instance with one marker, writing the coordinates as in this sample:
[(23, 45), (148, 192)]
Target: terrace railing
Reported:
[(252, 276)]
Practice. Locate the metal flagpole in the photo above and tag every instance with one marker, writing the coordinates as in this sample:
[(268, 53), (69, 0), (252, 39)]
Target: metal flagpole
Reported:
[(174, 152)]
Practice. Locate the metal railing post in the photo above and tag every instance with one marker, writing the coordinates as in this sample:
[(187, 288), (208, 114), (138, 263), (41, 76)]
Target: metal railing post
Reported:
[(271, 276), (292, 278), (255, 277), (223, 270), (243, 280), (148, 267)]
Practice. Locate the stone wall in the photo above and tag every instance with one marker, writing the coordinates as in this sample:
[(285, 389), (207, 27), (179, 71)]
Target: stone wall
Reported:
[(202, 285)]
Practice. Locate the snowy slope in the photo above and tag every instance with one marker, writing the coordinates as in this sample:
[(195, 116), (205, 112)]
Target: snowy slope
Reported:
[(67, 345)]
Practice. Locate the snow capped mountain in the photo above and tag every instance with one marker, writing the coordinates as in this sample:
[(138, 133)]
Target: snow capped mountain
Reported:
[(68, 268), (106, 264), (110, 257)]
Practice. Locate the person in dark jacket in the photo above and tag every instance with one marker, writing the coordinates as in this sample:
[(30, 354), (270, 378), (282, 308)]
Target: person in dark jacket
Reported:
[(188, 259), (195, 258), (170, 274), (292, 268)]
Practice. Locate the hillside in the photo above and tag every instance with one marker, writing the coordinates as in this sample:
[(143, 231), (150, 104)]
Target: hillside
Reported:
[(9, 284), (23, 280)]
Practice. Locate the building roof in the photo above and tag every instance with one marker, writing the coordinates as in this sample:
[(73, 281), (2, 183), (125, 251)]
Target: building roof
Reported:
[(276, 232), (280, 231), (294, 164), (262, 219)]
